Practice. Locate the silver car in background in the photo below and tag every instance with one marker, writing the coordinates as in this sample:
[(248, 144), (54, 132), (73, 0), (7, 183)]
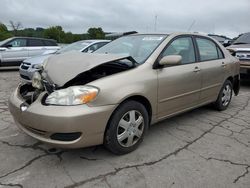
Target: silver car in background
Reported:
[(31, 65), (16, 49)]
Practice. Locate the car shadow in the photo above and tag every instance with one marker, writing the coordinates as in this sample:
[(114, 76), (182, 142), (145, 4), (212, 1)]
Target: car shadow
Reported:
[(9, 69), (245, 83)]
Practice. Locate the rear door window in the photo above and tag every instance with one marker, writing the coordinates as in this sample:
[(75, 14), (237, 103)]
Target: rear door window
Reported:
[(208, 50), (35, 42), (220, 53), (49, 43)]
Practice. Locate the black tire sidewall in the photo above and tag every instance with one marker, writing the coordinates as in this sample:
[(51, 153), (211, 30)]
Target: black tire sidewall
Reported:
[(110, 138), (218, 104)]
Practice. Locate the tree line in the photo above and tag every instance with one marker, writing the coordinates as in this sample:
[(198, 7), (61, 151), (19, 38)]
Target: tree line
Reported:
[(55, 32)]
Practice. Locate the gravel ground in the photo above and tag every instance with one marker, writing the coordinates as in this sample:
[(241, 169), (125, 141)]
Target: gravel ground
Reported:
[(201, 148)]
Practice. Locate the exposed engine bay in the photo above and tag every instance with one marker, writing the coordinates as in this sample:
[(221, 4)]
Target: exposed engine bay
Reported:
[(99, 72)]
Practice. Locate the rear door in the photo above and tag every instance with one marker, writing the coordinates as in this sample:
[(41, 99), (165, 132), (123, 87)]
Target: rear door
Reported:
[(15, 52), (213, 66), (36, 47), (179, 85)]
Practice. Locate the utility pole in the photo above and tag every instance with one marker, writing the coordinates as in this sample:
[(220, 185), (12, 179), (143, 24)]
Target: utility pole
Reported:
[(155, 23), (190, 27)]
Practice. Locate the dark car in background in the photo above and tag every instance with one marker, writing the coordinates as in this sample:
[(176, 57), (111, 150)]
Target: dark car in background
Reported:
[(16, 49), (225, 41), (241, 49)]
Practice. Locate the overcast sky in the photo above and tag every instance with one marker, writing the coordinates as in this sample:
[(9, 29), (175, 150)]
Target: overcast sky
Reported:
[(227, 17)]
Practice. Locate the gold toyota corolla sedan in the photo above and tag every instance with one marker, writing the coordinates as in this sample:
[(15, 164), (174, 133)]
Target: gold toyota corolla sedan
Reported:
[(111, 96)]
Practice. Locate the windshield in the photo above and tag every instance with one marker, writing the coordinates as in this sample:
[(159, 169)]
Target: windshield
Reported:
[(76, 46), (139, 47), (4, 41), (243, 39)]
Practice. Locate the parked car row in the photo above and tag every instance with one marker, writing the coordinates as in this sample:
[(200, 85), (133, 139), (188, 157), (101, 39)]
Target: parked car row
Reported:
[(241, 49), (31, 65), (225, 41), (112, 96), (14, 50)]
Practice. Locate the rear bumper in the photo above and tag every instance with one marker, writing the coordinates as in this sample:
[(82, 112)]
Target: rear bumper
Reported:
[(42, 122)]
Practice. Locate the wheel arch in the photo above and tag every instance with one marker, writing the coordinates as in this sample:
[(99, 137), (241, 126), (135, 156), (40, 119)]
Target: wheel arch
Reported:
[(235, 80), (138, 98)]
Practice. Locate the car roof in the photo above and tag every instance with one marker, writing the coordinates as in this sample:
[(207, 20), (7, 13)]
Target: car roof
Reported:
[(32, 38), (91, 41), (173, 33), (176, 34)]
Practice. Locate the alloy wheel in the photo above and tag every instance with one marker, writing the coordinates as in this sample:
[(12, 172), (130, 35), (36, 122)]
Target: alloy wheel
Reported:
[(130, 128), (226, 95)]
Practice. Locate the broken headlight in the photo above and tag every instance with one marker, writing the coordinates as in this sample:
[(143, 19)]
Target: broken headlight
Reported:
[(73, 95), (37, 81)]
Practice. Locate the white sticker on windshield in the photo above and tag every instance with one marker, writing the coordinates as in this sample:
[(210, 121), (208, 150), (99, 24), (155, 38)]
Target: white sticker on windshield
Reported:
[(152, 38)]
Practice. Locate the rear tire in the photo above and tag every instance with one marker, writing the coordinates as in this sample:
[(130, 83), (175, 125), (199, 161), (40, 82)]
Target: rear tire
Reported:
[(126, 128), (224, 97)]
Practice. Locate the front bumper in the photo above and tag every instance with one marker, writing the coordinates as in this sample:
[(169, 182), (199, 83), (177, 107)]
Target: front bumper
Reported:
[(26, 72), (41, 121)]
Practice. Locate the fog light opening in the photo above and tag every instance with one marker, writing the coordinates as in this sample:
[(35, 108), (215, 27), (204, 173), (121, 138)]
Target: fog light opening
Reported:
[(66, 136), (23, 107)]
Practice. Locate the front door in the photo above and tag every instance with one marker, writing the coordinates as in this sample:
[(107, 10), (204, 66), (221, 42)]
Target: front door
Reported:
[(179, 85), (15, 52)]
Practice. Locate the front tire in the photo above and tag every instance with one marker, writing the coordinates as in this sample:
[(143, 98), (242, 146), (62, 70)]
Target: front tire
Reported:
[(225, 96), (126, 128)]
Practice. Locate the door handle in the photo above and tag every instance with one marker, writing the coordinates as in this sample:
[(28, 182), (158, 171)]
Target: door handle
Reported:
[(196, 69), (223, 64)]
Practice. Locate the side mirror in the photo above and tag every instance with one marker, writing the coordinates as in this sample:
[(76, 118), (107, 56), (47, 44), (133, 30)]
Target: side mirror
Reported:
[(171, 60), (8, 46)]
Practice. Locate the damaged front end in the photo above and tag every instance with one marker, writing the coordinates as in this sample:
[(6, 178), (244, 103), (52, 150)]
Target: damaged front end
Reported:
[(44, 81)]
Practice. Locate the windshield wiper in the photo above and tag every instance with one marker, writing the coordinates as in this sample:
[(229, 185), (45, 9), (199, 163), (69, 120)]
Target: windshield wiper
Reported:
[(126, 61), (135, 63), (241, 43)]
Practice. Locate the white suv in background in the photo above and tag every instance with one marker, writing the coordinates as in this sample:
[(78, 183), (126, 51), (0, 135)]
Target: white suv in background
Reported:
[(14, 50), (29, 66)]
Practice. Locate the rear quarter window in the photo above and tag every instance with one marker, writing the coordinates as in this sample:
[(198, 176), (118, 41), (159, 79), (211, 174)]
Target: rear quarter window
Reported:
[(35, 42), (220, 53), (208, 50), (49, 43)]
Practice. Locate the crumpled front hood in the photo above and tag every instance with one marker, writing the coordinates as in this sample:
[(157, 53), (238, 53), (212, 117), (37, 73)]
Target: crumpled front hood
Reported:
[(63, 67)]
